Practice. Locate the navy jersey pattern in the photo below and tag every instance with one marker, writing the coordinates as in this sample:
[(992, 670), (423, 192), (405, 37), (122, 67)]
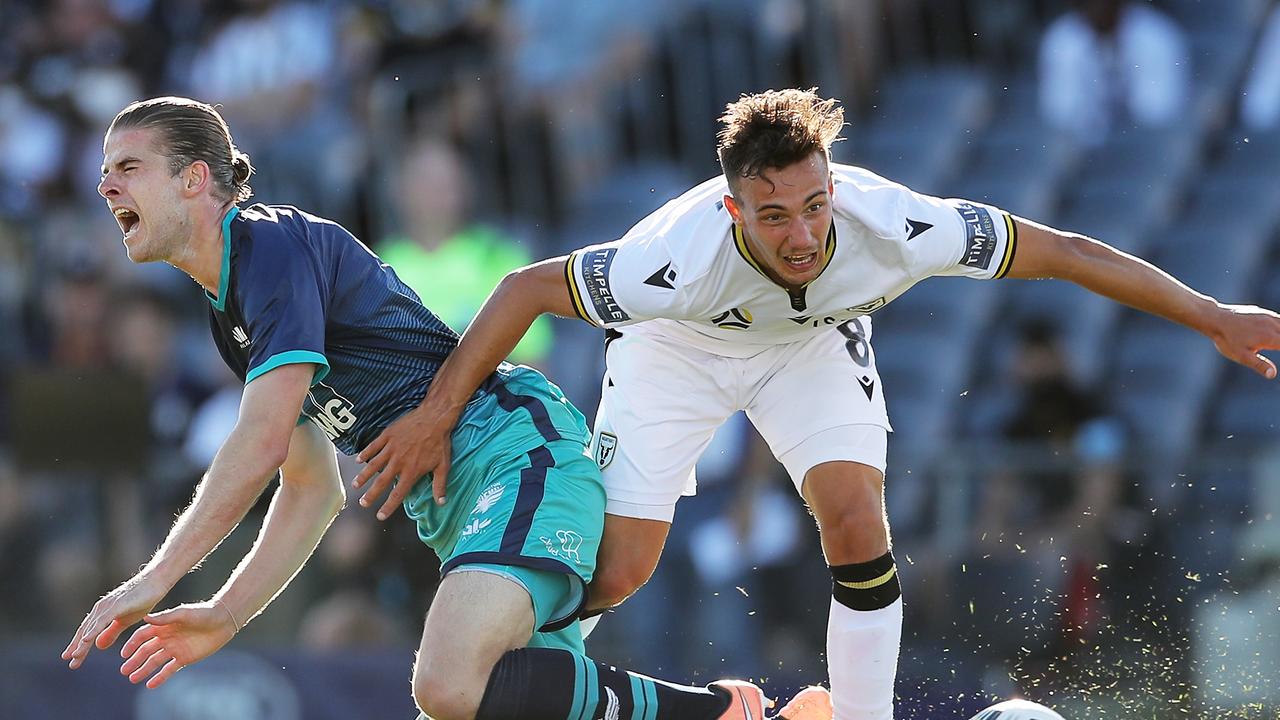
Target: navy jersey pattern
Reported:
[(296, 288)]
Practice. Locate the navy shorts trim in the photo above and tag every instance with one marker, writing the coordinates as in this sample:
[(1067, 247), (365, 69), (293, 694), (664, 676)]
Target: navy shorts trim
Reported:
[(547, 564)]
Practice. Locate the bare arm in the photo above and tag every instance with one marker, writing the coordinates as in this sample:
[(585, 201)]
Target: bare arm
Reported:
[(1238, 331), (309, 497), (251, 455), (418, 442)]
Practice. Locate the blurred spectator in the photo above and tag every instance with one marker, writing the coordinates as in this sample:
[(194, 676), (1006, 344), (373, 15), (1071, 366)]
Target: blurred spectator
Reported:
[(274, 69), (34, 143), (351, 575), (562, 58), (452, 262), (1260, 105), (1109, 62), (143, 337), (1046, 518), (74, 307)]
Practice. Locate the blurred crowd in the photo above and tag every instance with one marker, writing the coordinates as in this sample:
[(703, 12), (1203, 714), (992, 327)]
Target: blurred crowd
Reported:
[(463, 138)]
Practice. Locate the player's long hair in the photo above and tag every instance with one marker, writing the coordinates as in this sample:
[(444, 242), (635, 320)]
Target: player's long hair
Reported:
[(191, 130), (775, 129)]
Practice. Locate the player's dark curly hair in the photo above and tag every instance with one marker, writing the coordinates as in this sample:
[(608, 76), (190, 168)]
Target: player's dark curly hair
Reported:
[(191, 130), (774, 129)]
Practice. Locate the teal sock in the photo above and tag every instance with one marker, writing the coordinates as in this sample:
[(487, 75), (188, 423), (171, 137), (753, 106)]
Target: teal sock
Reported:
[(554, 684)]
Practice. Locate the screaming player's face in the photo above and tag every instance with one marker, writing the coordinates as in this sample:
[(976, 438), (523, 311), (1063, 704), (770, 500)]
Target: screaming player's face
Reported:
[(145, 198), (785, 215)]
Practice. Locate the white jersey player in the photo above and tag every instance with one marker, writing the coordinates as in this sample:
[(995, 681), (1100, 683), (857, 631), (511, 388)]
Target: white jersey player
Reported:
[(716, 319), (752, 292)]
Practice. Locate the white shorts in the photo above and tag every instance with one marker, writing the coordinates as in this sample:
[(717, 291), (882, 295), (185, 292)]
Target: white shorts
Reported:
[(814, 401)]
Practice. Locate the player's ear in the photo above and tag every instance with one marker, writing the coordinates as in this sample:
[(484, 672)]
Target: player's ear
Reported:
[(735, 211), (197, 177)]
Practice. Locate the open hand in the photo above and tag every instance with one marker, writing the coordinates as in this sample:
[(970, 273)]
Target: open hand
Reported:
[(174, 639), (114, 612), (412, 446), (1245, 330)]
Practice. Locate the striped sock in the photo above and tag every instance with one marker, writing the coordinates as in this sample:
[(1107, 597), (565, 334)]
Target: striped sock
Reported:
[(554, 684)]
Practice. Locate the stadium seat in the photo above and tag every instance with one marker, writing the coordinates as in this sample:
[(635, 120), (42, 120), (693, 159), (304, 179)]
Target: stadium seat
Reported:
[(1146, 156), (1085, 320), (919, 126), (1164, 374), (1251, 156), (1212, 16), (1219, 194), (1219, 256), (621, 200), (948, 98), (1118, 211), (1246, 410)]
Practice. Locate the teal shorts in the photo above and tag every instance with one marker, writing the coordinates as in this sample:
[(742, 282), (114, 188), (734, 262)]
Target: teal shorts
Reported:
[(551, 593), (522, 489)]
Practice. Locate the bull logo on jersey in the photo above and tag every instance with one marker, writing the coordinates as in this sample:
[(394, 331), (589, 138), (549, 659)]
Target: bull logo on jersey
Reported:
[(605, 445), (734, 319)]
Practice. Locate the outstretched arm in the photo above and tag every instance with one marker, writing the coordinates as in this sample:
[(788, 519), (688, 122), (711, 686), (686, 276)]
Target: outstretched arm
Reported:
[(309, 497), (418, 442), (1240, 332), (251, 455)]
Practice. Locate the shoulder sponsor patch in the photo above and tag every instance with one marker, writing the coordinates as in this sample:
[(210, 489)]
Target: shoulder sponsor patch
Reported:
[(980, 236), (595, 276)]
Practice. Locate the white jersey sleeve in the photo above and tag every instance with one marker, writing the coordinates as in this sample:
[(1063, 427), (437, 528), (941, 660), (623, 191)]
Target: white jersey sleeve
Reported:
[(936, 236), (624, 282)]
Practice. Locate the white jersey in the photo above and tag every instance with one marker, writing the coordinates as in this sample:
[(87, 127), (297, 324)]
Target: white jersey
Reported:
[(688, 271)]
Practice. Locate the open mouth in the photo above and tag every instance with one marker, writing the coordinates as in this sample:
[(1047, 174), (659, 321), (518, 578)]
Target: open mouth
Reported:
[(801, 262), (127, 219)]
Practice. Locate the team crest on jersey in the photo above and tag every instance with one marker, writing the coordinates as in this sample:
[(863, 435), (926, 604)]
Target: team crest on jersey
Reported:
[(606, 444), (240, 336), (734, 319), (869, 307)]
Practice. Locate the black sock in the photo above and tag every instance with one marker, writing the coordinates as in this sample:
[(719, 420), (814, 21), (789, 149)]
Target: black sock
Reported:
[(868, 585), (550, 684)]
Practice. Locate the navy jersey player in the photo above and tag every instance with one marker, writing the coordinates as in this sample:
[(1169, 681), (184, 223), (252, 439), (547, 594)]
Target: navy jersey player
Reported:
[(753, 291), (332, 347)]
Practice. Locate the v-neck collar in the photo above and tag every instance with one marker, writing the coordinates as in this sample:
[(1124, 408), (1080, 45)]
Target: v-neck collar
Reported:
[(224, 278)]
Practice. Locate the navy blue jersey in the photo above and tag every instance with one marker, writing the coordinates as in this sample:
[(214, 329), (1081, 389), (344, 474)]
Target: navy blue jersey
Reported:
[(296, 288)]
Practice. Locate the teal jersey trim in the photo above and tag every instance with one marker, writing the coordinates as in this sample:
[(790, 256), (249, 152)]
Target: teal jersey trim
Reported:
[(220, 302), (292, 357)]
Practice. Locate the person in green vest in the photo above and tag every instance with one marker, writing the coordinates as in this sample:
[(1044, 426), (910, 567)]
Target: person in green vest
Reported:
[(450, 261)]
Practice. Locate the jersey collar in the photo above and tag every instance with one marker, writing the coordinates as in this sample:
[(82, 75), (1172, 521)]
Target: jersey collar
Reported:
[(224, 278), (740, 242)]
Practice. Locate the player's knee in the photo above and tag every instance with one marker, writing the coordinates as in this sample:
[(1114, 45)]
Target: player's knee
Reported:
[(616, 582), (442, 693), (858, 533)]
